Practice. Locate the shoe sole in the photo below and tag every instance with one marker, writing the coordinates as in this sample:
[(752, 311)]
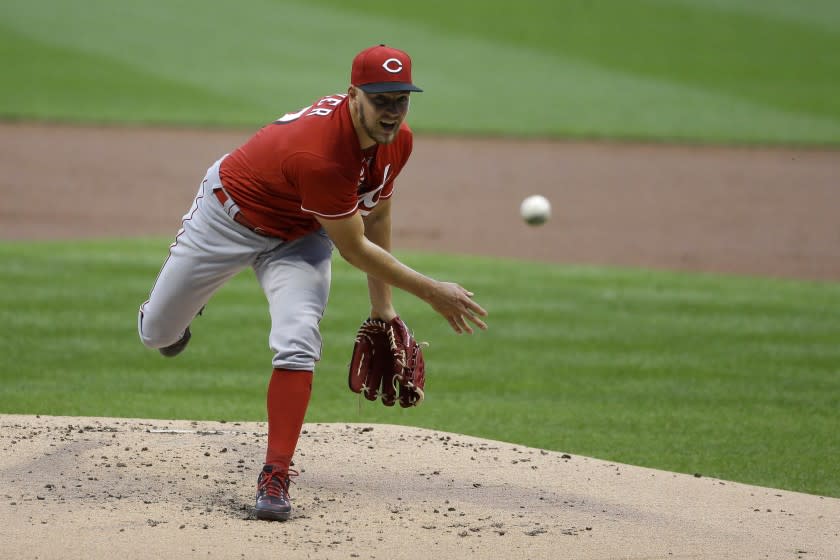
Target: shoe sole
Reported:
[(267, 515)]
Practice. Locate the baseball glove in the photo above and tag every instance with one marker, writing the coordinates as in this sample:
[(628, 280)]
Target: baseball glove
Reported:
[(387, 362)]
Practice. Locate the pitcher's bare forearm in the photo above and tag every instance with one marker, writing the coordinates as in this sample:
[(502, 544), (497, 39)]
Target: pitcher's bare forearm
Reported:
[(378, 231)]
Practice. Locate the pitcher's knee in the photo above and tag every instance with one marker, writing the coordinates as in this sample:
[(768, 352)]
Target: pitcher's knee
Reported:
[(296, 341), (155, 334)]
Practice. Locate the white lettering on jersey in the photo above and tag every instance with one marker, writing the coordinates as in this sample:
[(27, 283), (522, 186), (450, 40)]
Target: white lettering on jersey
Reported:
[(320, 111), (334, 100), (288, 117)]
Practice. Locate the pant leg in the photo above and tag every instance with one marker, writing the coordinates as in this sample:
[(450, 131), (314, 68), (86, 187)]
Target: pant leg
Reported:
[(295, 278), (209, 249)]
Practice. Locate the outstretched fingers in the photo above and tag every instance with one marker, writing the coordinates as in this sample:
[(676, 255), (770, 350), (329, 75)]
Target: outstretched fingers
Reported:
[(476, 311), (453, 322), (469, 312), (456, 305)]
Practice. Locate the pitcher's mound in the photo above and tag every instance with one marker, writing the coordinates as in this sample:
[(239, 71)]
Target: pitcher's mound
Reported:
[(126, 488)]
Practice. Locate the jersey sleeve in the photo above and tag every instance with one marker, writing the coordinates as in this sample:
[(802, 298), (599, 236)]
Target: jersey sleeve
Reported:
[(324, 189)]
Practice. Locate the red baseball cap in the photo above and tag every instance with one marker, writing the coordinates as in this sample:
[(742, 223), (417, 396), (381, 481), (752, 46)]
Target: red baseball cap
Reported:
[(382, 69)]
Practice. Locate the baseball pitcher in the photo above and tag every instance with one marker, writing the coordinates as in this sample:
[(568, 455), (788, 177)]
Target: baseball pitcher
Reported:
[(317, 178)]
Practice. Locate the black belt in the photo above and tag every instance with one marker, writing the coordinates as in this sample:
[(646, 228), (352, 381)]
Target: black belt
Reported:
[(238, 217)]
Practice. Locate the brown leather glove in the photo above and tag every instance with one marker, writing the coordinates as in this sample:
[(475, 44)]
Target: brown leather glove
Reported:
[(387, 362)]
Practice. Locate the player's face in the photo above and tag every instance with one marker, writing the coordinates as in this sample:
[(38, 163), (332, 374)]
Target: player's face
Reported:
[(381, 114)]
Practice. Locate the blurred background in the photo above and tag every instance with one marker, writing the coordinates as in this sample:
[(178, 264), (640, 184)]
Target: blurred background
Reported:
[(699, 70)]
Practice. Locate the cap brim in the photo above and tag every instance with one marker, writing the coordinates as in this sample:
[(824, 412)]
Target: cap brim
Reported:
[(387, 87)]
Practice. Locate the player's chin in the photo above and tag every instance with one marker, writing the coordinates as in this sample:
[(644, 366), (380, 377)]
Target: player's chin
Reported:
[(387, 132)]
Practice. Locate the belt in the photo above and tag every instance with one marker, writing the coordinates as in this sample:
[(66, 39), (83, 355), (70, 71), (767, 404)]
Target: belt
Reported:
[(238, 217)]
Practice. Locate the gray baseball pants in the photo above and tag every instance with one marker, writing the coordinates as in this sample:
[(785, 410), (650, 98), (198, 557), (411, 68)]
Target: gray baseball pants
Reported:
[(211, 248)]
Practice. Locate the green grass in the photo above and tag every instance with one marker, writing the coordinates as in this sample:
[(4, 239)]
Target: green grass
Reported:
[(743, 71), (736, 378)]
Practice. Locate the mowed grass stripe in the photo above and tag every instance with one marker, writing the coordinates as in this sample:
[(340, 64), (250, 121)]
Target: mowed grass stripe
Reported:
[(65, 83), (731, 377), (654, 69), (661, 66), (779, 59)]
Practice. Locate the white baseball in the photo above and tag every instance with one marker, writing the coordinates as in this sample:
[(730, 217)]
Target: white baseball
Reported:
[(535, 210)]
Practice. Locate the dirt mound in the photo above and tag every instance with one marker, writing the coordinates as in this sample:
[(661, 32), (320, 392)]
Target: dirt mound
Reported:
[(127, 488)]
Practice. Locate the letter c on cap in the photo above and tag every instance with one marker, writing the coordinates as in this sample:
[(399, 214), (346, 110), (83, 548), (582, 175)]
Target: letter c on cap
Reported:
[(392, 65)]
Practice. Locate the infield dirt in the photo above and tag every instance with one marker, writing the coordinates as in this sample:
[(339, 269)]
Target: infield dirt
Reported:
[(97, 487)]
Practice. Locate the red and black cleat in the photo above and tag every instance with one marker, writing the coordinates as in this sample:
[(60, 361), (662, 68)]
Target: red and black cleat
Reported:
[(273, 502)]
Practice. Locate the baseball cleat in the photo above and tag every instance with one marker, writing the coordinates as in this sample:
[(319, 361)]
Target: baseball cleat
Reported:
[(273, 502), (174, 349)]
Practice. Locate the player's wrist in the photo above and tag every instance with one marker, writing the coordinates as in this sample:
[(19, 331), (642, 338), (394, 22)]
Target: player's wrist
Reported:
[(386, 313)]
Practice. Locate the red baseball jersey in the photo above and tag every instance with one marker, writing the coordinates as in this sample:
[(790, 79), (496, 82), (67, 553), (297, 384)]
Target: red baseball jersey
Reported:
[(308, 164)]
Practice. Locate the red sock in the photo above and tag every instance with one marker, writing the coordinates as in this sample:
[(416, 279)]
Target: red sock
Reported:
[(287, 400)]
